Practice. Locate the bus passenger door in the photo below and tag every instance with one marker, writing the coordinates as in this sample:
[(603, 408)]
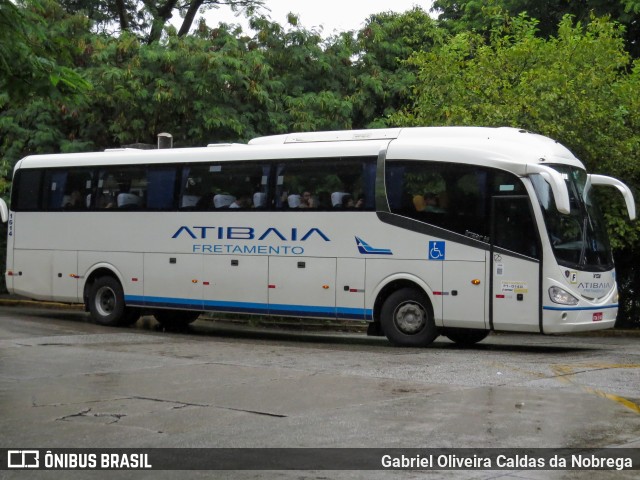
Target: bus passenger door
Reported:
[(350, 289), (302, 286), (515, 266)]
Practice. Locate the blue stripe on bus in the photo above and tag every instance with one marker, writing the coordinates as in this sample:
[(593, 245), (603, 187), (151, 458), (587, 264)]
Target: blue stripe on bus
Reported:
[(577, 309), (246, 307)]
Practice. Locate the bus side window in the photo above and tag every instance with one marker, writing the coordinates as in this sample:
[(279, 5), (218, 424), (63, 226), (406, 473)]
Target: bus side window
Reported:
[(67, 189), (515, 227), (54, 184), (340, 184), (122, 187), (450, 196), (224, 186)]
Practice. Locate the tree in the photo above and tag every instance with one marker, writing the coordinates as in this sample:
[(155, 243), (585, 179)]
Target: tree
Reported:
[(148, 18), (40, 88), (482, 16), (29, 54), (575, 87), (383, 79)]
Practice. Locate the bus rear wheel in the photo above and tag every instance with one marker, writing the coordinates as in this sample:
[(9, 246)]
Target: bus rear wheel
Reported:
[(407, 320), (106, 302), (465, 336), (175, 318)]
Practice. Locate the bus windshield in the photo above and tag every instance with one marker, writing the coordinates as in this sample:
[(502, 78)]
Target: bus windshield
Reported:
[(579, 240)]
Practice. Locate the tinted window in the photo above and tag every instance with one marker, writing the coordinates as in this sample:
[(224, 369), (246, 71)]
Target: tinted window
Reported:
[(451, 196), (27, 190), (67, 189), (136, 188), (514, 226), (326, 184), (122, 188), (224, 186)]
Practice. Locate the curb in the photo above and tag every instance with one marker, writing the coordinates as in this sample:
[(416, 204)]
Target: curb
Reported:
[(20, 302)]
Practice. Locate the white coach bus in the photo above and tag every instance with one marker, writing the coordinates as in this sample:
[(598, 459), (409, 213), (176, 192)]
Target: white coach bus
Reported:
[(420, 231)]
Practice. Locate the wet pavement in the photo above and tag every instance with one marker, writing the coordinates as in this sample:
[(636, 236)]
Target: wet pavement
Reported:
[(65, 382)]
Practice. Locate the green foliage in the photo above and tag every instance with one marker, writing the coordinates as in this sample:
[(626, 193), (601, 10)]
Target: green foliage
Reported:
[(40, 87), (575, 87), (147, 19), (383, 80), (36, 55), (215, 86), (631, 6), (481, 16)]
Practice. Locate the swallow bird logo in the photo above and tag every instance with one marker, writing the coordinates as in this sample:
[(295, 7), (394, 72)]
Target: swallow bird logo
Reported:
[(366, 249)]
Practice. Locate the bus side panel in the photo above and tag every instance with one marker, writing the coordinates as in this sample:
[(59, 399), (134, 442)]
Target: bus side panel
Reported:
[(127, 267), (32, 274), (173, 281), (464, 294), (426, 274), (350, 289), (302, 286), (236, 283), (65, 276)]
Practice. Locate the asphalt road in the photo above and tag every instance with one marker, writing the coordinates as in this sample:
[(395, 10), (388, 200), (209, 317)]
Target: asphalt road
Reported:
[(65, 382)]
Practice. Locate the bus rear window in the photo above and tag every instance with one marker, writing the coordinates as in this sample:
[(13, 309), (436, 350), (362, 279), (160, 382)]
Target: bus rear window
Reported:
[(27, 190)]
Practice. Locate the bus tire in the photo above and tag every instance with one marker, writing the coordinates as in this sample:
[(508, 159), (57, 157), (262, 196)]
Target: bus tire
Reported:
[(407, 320), (466, 336), (175, 318), (106, 302)]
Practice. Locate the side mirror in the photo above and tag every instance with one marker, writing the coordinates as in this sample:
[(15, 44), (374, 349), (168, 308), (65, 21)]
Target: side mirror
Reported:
[(4, 211), (557, 184), (622, 188)]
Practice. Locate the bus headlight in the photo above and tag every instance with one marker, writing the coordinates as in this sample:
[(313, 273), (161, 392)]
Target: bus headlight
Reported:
[(558, 295)]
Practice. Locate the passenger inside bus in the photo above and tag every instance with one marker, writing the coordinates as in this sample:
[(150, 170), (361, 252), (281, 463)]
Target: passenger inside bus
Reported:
[(347, 201), (429, 203), (73, 201), (308, 200), (243, 201), (432, 203)]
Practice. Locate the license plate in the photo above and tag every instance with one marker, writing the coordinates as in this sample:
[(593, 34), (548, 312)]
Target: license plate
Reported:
[(597, 317)]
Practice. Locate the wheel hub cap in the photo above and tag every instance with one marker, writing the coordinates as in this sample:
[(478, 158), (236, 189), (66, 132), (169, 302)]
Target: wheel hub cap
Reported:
[(105, 301), (410, 318)]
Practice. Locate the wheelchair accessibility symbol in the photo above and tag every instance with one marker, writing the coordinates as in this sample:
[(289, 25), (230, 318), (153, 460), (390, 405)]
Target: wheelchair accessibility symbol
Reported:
[(436, 250)]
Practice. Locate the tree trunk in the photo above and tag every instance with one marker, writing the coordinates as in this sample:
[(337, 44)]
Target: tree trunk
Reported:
[(189, 17), (122, 15), (161, 16)]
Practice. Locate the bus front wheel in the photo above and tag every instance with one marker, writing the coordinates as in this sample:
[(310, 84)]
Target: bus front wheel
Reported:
[(106, 302), (407, 320)]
